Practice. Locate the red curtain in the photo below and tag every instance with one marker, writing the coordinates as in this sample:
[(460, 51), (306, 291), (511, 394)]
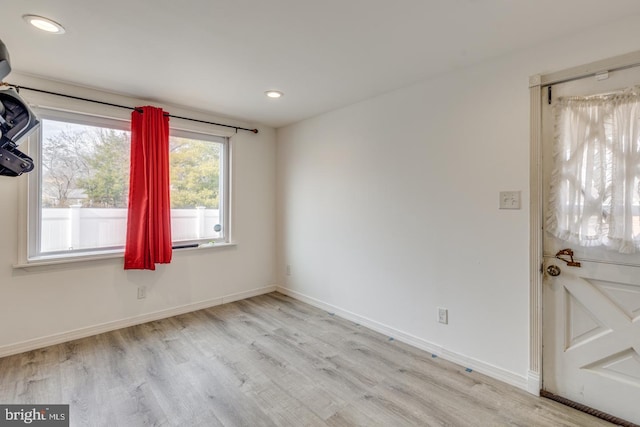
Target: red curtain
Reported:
[(149, 220)]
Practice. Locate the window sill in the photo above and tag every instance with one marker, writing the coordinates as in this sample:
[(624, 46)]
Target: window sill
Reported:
[(70, 260)]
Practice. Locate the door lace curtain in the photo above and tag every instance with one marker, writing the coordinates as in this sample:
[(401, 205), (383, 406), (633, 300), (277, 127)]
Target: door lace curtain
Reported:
[(594, 197)]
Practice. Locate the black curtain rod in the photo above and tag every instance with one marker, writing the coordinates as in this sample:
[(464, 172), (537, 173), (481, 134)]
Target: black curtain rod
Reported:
[(122, 106)]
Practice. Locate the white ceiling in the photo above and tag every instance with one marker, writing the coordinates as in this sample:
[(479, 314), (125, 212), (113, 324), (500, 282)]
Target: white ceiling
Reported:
[(221, 55)]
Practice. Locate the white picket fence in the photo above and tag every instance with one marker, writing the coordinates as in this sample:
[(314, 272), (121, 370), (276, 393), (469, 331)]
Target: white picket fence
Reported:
[(84, 228)]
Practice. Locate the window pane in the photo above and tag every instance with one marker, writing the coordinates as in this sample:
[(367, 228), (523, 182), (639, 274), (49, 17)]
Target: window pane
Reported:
[(195, 189), (85, 182)]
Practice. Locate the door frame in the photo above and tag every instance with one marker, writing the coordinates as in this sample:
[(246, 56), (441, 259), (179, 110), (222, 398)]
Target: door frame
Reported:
[(536, 83)]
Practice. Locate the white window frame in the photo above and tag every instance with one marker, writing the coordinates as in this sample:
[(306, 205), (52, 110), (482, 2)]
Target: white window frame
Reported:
[(30, 247)]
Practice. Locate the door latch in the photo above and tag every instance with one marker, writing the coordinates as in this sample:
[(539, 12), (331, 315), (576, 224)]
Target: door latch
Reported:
[(570, 262)]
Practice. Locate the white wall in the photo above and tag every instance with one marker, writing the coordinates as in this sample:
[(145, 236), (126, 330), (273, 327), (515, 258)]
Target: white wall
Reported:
[(44, 304), (388, 209)]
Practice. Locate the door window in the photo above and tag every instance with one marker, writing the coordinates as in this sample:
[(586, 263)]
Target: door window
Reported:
[(594, 199)]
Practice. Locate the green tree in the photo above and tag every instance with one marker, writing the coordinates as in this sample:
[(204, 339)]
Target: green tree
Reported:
[(93, 164), (107, 184), (195, 173)]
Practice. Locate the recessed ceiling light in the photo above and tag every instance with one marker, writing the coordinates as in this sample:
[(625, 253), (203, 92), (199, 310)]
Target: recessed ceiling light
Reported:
[(274, 93), (44, 24)]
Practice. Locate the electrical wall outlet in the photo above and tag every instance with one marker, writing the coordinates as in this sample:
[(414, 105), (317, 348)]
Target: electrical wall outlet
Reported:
[(142, 292), (443, 315), (288, 270)]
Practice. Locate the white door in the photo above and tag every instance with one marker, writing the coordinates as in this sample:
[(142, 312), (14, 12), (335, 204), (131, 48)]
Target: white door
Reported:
[(591, 313)]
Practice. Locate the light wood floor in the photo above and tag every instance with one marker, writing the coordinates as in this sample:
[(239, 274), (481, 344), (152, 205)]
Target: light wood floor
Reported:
[(265, 361)]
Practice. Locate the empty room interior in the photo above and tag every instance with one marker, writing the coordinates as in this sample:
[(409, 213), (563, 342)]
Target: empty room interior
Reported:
[(333, 213)]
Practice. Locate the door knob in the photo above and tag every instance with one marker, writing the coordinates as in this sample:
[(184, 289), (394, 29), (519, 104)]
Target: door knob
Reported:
[(553, 270)]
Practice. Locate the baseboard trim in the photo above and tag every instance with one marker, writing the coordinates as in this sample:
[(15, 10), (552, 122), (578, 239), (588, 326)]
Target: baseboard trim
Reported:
[(247, 294), (534, 384), (34, 344), (464, 361)]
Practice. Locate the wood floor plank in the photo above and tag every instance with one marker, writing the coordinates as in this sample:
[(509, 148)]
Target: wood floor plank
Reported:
[(265, 361)]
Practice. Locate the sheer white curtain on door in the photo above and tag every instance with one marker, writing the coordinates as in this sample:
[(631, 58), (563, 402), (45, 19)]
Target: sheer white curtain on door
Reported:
[(594, 199)]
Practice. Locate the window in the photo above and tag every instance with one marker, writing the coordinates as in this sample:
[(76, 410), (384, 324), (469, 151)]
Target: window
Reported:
[(78, 191), (594, 199)]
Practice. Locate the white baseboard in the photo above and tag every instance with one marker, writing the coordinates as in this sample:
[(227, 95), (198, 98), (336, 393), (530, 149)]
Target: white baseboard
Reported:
[(33, 344), (534, 383), (247, 294), (462, 360)]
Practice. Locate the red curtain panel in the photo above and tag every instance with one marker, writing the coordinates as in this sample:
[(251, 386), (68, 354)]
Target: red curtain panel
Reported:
[(149, 219)]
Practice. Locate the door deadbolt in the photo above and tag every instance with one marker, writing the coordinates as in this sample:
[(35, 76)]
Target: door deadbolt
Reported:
[(553, 270)]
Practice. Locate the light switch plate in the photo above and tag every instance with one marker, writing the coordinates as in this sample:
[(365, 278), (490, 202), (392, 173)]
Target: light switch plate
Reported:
[(509, 200)]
